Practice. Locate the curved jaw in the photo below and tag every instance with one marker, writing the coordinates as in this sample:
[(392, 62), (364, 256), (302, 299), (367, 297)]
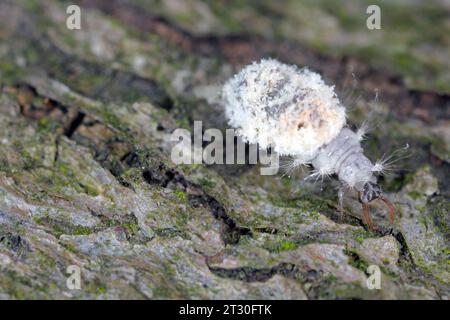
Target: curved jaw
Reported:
[(390, 207), (366, 212), (370, 192)]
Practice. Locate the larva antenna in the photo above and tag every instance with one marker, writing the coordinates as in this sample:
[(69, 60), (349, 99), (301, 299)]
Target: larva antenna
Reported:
[(388, 163)]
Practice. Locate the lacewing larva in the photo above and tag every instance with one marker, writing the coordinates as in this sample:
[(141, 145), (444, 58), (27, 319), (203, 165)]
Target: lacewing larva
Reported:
[(293, 111)]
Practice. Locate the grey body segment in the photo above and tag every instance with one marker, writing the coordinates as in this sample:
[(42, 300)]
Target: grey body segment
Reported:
[(344, 157)]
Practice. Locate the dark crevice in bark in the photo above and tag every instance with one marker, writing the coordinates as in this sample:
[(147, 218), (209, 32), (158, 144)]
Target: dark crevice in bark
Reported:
[(232, 231), (405, 254), (170, 178), (249, 274), (268, 230), (318, 283), (13, 242), (74, 124)]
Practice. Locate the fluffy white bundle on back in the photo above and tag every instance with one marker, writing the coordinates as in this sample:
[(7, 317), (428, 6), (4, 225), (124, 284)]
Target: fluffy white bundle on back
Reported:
[(282, 106)]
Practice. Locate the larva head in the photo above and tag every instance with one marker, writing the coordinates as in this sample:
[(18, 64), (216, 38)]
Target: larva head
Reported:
[(370, 191), (284, 107)]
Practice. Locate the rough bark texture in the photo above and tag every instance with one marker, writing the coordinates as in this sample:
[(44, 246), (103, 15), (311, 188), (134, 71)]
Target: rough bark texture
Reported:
[(86, 177)]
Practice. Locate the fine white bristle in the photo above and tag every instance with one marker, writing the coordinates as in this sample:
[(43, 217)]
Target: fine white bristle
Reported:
[(363, 130), (388, 163), (318, 174), (291, 164)]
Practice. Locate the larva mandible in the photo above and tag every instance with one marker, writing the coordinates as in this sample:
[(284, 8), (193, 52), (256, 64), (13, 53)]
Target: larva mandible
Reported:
[(293, 111)]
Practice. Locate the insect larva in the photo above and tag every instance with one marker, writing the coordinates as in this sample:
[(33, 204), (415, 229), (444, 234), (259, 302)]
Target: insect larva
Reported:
[(295, 113)]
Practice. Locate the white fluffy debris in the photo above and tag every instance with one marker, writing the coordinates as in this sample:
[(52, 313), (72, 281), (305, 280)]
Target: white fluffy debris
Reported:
[(282, 106)]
